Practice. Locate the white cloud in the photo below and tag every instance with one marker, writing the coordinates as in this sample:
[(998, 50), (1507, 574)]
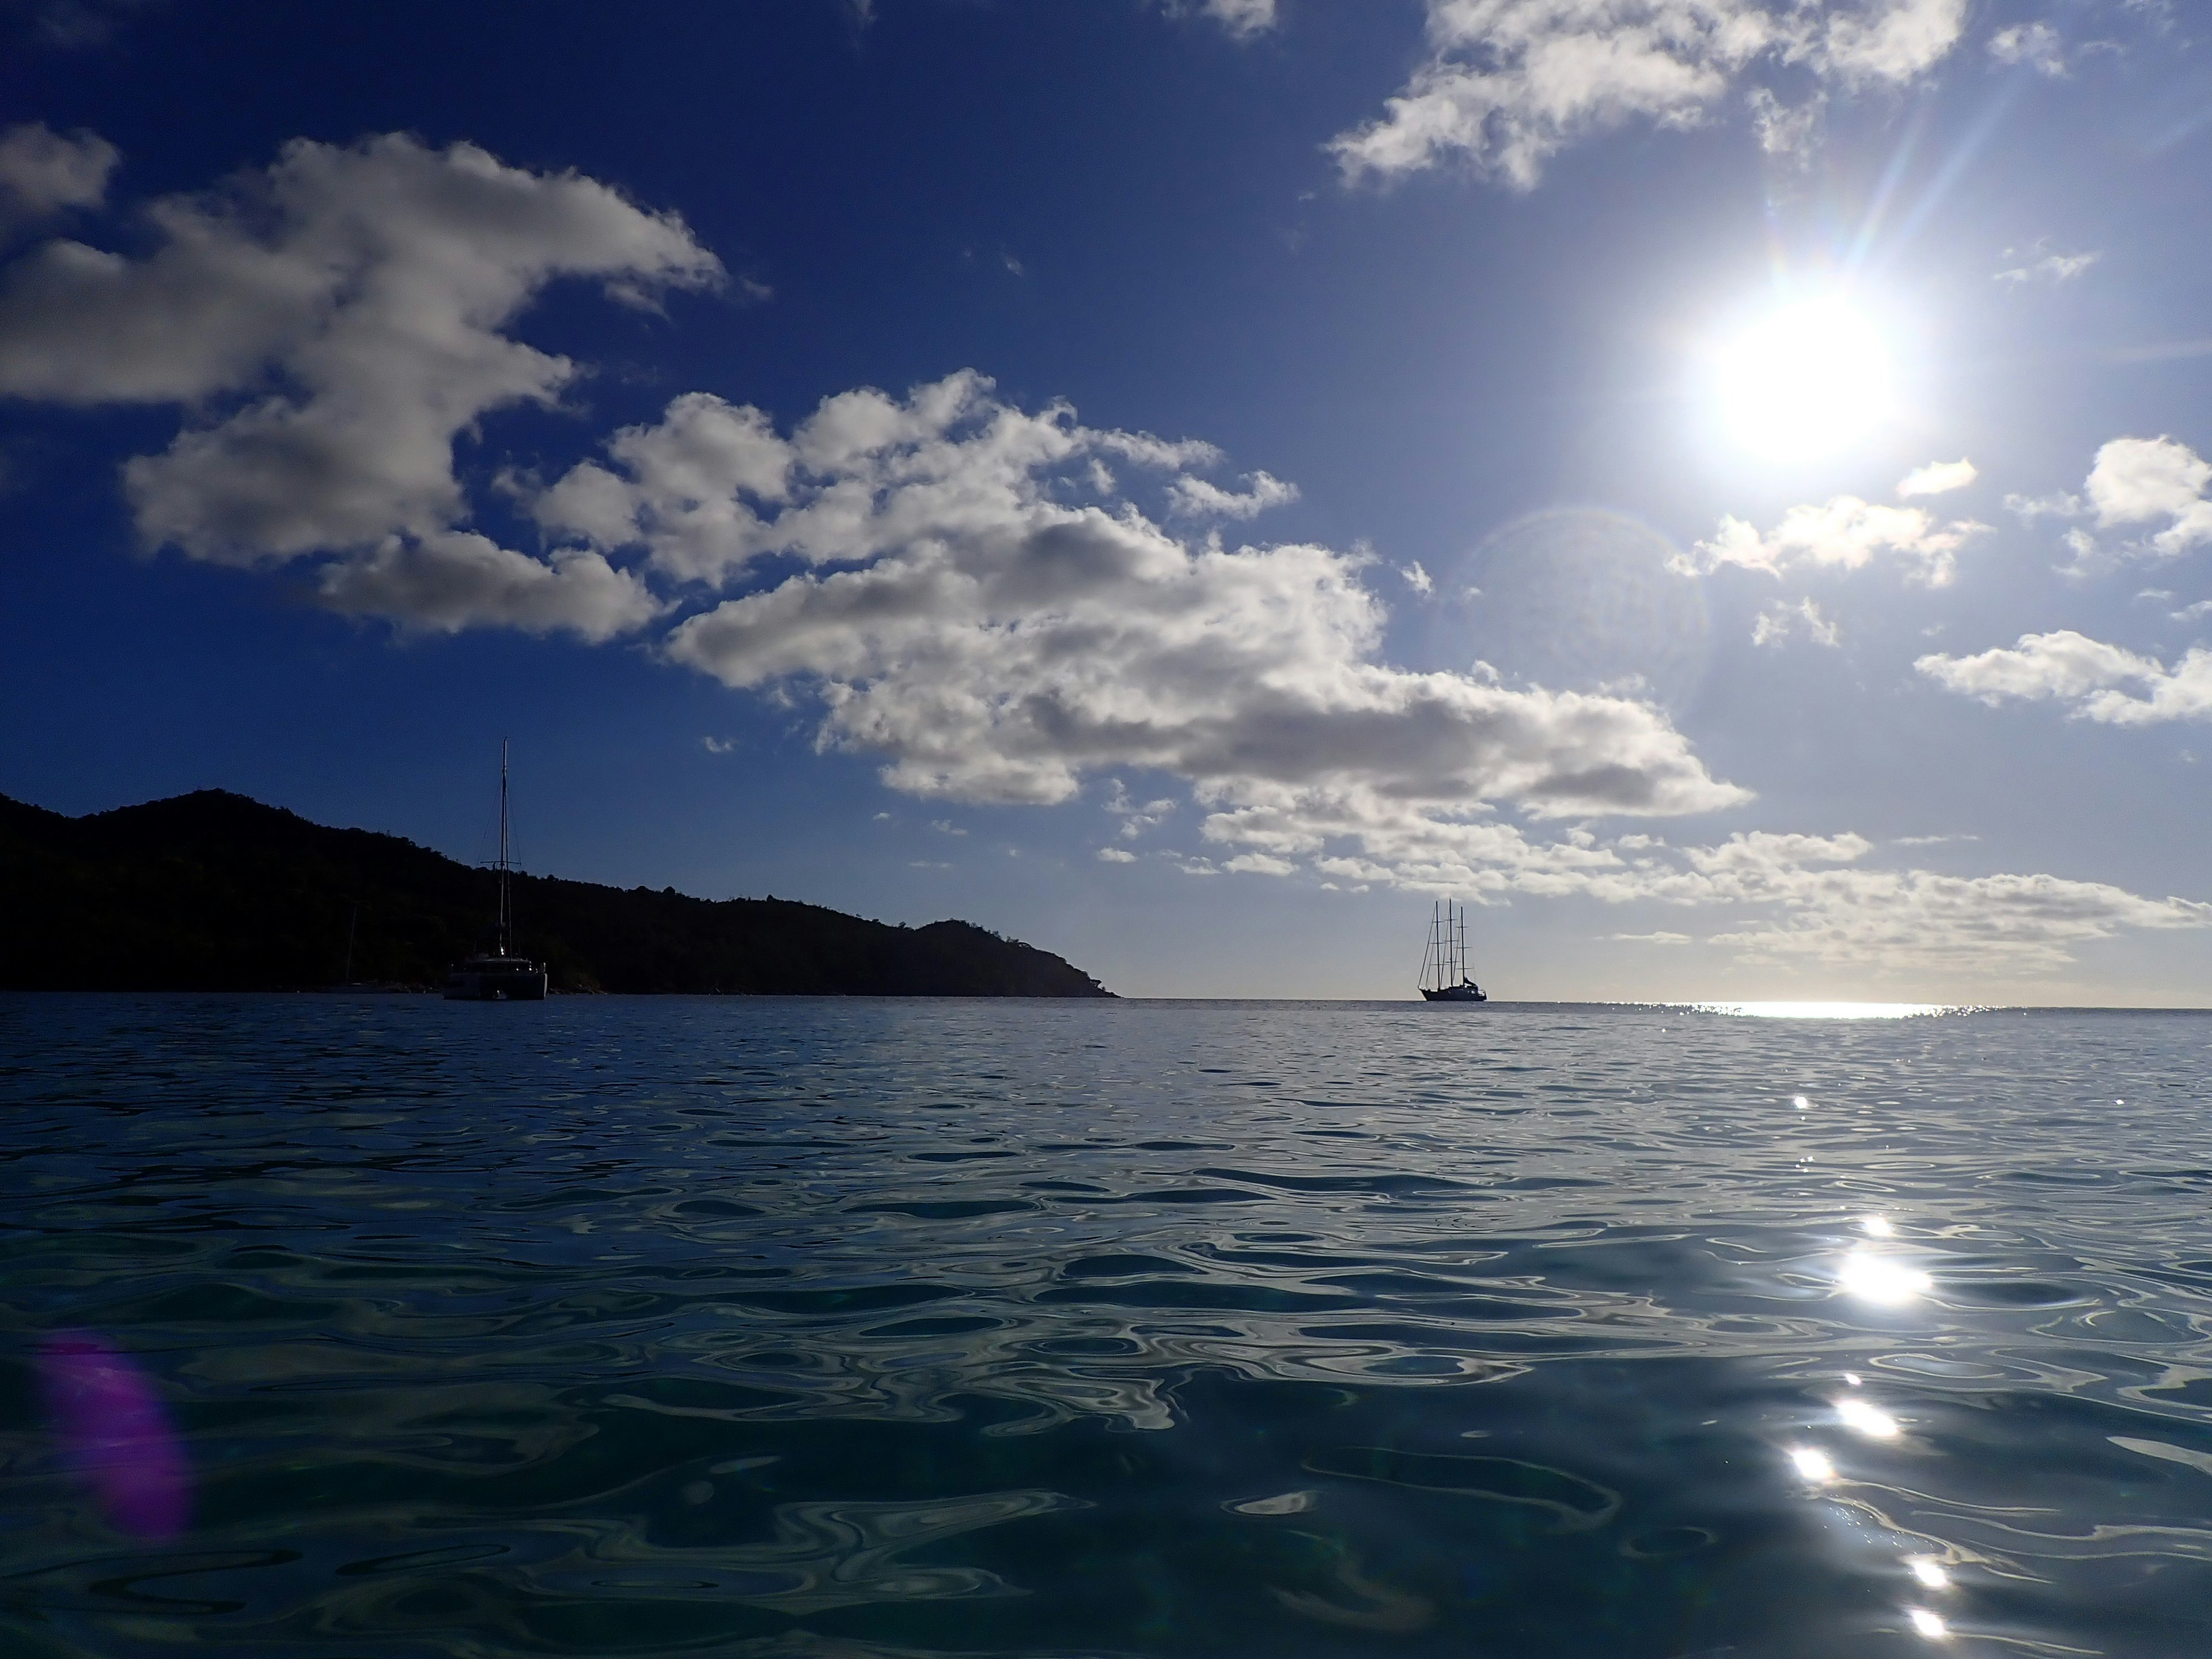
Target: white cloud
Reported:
[(1418, 579), (41, 172), (1779, 622), (1508, 83), (993, 641), (1115, 855), (1659, 937), (1135, 819), (333, 322), (1843, 534), (2140, 480), (1937, 478), (1243, 19), (451, 579), (725, 745), (1199, 499), (1260, 863), (2032, 507), (2051, 268), (2065, 667), (2033, 44)]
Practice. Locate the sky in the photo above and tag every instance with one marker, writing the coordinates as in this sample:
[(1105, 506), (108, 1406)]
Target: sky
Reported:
[(1719, 487)]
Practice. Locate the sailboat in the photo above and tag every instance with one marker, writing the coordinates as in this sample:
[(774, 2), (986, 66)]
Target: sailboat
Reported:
[(1444, 968), (497, 975)]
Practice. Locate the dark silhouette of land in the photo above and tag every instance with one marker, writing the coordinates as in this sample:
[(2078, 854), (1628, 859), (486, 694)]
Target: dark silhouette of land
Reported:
[(211, 891)]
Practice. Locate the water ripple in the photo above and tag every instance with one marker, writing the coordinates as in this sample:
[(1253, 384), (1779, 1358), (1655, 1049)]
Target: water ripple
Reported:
[(708, 1327)]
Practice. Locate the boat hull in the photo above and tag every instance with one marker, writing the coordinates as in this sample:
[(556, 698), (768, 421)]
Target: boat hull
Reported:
[(495, 985), (1454, 994)]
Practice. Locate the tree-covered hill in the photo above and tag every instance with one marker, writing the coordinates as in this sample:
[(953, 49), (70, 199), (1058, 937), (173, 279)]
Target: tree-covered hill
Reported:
[(214, 892)]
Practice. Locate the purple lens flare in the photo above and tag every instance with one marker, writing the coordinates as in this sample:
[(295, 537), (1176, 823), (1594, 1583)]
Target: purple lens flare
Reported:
[(113, 1430)]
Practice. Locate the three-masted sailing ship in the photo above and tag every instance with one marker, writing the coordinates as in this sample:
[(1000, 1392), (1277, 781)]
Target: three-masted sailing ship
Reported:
[(497, 974), (1444, 967)]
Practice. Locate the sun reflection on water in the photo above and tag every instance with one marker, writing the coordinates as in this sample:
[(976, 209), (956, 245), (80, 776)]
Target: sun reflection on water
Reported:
[(1829, 1010)]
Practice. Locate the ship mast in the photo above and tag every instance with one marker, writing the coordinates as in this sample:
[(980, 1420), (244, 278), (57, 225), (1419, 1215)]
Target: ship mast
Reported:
[(506, 902)]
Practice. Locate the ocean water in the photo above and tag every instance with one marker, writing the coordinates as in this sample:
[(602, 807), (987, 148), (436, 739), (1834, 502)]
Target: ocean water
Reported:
[(391, 1327)]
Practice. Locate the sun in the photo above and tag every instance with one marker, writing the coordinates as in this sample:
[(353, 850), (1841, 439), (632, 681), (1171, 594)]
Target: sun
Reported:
[(1805, 381)]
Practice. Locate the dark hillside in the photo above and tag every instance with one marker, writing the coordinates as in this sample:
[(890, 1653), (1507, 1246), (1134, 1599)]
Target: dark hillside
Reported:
[(213, 892)]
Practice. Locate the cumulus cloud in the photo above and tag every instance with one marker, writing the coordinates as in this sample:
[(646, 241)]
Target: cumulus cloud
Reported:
[(333, 322), (969, 615), (1196, 498), (41, 172), (1508, 83), (1937, 478), (452, 580), (1843, 534), (2094, 677), (1115, 855), (2142, 480)]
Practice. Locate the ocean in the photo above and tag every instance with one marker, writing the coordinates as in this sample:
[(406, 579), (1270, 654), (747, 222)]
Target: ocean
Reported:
[(383, 1325)]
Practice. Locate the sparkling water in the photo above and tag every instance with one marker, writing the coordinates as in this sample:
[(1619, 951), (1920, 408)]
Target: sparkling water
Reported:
[(639, 1327)]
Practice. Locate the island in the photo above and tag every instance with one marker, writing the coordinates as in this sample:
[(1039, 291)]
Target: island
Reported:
[(213, 892)]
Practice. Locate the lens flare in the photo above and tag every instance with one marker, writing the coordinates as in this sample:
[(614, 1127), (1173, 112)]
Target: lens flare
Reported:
[(104, 1413)]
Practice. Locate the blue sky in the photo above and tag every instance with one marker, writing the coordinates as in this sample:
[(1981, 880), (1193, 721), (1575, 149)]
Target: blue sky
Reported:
[(1716, 486)]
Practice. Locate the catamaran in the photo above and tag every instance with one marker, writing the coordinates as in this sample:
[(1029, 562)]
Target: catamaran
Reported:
[(1444, 967), (497, 975)]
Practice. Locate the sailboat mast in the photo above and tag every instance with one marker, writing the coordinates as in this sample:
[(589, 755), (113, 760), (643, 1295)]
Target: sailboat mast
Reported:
[(1462, 980), (505, 904)]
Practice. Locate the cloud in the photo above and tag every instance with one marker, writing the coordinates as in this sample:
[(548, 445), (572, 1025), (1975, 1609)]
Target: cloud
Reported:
[(1843, 533), (41, 172), (332, 323), (2051, 268), (994, 640), (1801, 896), (1937, 478), (1661, 938), (1136, 819), (1243, 19), (1418, 579), (2035, 45), (2067, 667), (2032, 507), (1115, 855), (2141, 480), (1508, 83), (1779, 622), (1196, 498), (451, 579), (725, 745)]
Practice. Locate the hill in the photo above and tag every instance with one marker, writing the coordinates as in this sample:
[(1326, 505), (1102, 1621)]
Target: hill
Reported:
[(213, 892)]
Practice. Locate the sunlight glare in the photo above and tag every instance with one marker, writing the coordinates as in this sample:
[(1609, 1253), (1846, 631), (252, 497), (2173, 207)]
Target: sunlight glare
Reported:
[(1929, 1625), (1867, 1418), (1804, 380), (1928, 1572), (1812, 1464), (1877, 1279)]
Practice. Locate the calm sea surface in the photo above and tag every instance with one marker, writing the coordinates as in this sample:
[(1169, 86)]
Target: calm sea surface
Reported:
[(730, 1327)]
